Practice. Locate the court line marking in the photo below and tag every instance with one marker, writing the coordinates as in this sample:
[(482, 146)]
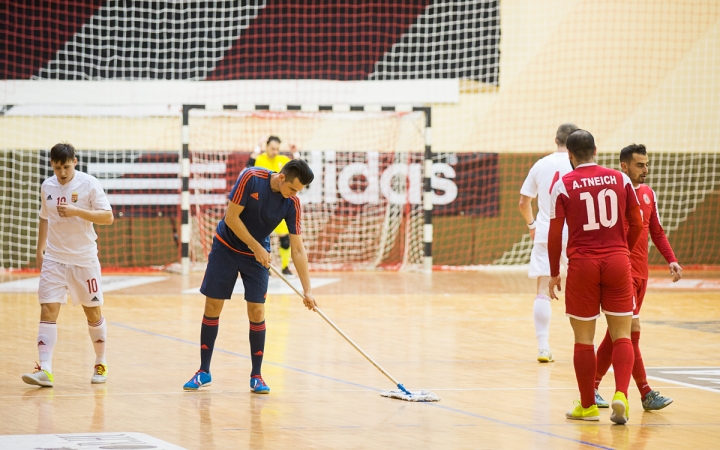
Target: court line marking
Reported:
[(447, 408), (546, 433), (314, 391), (681, 383)]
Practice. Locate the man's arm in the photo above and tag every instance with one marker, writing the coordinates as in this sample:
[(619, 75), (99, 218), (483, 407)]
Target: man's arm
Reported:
[(41, 243), (100, 216), (634, 219), (657, 234), (633, 215), (232, 220), (527, 213), (557, 223), (528, 191), (299, 257), (554, 253), (257, 151)]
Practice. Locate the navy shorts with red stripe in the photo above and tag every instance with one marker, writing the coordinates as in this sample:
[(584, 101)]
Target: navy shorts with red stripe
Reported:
[(222, 270)]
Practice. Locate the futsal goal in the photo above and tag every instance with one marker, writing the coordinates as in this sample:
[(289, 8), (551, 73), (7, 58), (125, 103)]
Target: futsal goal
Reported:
[(364, 210)]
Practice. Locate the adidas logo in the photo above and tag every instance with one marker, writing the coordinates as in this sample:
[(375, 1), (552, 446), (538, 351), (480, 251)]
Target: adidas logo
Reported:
[(258, 353), (254, 195), (204, 347), (95, 299), (49, 197), (41, 343)]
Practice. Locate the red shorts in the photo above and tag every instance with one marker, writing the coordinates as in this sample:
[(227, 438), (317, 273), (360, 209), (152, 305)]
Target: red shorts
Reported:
[(639, 287), (598, 284)]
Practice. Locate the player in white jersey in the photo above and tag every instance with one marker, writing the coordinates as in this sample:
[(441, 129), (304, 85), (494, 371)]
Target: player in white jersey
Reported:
[(67, 257), (539, 183)]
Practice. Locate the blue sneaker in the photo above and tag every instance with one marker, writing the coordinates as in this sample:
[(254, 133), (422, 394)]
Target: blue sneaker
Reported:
[(654, 401), (200, 379), (599, 401), (258, 386)]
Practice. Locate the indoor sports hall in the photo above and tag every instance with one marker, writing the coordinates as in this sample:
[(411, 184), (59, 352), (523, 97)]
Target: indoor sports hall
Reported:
[(420, 121)]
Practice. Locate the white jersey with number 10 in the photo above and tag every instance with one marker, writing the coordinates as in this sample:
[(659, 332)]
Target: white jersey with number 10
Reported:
[(71, 240)]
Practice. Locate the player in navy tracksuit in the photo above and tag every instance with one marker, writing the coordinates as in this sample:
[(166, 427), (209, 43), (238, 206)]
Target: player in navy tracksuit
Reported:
[(258, 202)]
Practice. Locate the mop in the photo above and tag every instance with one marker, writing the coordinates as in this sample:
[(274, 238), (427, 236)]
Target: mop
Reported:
[(402, 393)]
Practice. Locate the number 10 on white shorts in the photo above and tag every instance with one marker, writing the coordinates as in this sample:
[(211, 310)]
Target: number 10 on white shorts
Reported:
[(83, 284)]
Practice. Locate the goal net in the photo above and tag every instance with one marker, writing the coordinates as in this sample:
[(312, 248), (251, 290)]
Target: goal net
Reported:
[(686, 185), (363, 209), (499, 77), (134, 154)]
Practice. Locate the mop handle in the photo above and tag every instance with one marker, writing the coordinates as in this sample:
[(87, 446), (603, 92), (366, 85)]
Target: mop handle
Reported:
[(332, 324)]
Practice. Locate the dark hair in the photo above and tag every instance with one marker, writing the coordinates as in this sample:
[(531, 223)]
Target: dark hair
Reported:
[(563, 131), (62, 153), (626, 154), (298, 168), (581, 144), (273, 138)]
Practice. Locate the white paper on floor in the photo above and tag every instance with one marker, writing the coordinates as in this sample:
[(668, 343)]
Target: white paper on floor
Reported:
[(79, 441)]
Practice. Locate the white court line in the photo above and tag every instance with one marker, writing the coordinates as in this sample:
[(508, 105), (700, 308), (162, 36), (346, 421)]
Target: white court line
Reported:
[(276, 286), (681, 383), (689, 283), (109, 283)]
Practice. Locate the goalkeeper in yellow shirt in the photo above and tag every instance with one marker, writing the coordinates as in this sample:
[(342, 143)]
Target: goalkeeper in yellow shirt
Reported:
[(272, 160)]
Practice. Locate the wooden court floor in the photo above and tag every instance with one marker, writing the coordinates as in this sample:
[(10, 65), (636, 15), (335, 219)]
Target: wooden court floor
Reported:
[(468, 337)]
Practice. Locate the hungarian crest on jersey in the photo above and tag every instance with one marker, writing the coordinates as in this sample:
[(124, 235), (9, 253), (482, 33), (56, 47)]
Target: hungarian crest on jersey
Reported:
[(74, 197), (645, 197)]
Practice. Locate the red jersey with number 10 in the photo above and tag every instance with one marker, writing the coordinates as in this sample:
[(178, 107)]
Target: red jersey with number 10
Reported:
[(594, 201)]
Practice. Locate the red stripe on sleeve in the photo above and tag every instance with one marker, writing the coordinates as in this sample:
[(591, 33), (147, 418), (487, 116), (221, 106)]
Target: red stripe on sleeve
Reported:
[(241, 187), (298, 214), (245, 178)]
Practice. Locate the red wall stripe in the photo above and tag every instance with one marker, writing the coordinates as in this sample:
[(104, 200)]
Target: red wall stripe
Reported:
[(32, 31), (317, 39)]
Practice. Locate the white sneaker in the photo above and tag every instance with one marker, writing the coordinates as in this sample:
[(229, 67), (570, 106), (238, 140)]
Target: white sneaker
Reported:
[(545, 356), (39, 377), (99, 374)]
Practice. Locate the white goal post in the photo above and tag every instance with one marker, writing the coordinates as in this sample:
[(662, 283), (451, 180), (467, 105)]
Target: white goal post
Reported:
[(406, 182)]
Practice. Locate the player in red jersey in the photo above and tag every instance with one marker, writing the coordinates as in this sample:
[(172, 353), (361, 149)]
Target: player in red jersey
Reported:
[(595, 202), (634, 163)]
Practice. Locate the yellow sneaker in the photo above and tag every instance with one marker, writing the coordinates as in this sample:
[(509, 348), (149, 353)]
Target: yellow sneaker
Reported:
[(545, 356), (39, 378), (620, 409), (580, 413), (99, 374)]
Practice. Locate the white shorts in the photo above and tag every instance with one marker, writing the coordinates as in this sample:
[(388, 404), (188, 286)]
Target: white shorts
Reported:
[(83, 283), (540, 262)]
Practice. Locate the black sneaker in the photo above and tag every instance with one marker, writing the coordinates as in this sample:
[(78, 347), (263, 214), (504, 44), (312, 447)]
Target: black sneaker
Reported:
[(286, 271)]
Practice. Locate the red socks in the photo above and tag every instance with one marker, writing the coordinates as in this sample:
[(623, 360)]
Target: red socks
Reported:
[(584, 362), (604, 358), (638, 372), (623, 358)]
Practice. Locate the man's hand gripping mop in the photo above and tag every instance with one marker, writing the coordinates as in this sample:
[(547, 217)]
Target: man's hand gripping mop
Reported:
[(402, 393)]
